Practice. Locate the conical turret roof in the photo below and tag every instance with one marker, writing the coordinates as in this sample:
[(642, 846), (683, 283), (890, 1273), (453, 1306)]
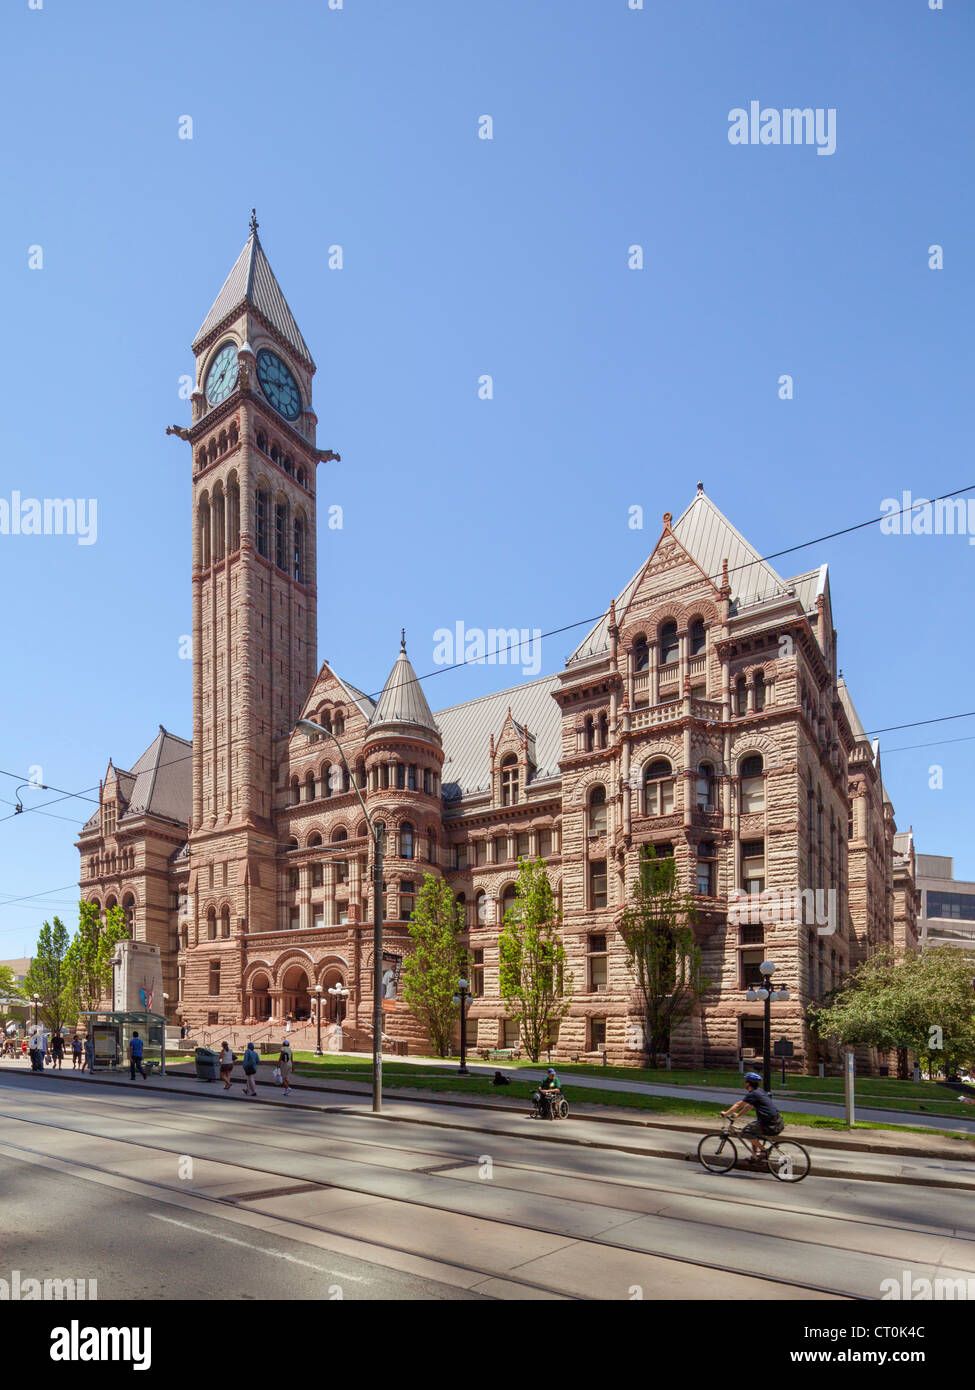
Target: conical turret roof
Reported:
[(403, 705), (252, 282)]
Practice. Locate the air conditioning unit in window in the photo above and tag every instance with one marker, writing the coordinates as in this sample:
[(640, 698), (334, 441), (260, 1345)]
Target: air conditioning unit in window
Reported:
[(709, 809)]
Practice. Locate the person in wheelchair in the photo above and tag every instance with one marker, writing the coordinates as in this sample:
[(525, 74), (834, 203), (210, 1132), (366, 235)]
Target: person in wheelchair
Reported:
[(548, 1094), (767, 1123)]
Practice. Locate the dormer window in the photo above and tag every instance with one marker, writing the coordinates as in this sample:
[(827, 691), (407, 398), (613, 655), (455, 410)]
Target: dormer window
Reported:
[(509, 781)]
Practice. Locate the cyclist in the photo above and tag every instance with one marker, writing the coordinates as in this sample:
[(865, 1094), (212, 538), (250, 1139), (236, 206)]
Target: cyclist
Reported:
[(768, 1121), (542, 1096)]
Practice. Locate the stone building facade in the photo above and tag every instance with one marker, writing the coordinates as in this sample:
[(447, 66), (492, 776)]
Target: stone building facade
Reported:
[(703, 714)]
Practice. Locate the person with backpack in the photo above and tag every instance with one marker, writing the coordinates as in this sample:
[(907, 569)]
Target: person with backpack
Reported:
[(135, 1058), (226, 1064), (250, 1062), (767, 1123), (57, 1050)]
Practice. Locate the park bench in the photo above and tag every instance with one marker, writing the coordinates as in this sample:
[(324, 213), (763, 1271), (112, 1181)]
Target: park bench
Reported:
[(501, 1054)]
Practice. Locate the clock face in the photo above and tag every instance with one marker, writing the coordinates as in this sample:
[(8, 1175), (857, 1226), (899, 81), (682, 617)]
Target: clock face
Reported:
[(222, 376), (278, 384)]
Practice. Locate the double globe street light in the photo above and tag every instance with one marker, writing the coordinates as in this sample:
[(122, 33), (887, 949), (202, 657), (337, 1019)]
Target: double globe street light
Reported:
[(766, 993)]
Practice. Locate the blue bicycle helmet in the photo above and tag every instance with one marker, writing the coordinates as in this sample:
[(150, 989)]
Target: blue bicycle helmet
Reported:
[(752, 1076)]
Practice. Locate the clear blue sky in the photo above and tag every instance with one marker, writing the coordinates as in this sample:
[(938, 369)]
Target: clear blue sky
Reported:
[(613, 388)]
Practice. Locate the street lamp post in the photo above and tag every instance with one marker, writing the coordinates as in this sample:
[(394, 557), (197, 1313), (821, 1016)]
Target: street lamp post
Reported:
[(766, 993), (37, 1000), (318, 1016), (310, 727), (461, 998)]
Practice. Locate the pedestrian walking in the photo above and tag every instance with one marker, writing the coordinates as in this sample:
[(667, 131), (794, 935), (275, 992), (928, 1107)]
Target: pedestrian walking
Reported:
[(88, 1064), (226, 1064), (34, 1051), (43, 1049), (76, 1057), (57, 1050), (285, 1064), (249, 1062), (135, 1058)]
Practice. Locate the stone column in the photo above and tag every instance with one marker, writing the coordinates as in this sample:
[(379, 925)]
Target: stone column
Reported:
[(654, 686)]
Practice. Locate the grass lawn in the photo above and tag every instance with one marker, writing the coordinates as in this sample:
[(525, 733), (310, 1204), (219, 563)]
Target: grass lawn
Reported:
[(418, 1076)]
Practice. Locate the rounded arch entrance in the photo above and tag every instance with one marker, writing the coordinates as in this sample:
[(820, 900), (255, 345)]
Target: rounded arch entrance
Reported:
[(259, 990), (295, 994)]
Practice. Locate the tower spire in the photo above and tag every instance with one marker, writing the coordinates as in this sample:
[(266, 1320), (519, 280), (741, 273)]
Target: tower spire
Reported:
[(254, 224), (402, 639)]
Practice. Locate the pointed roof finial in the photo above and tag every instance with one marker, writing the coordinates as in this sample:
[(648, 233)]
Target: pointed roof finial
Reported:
[(700, 489), (402, 639), (254, 222)]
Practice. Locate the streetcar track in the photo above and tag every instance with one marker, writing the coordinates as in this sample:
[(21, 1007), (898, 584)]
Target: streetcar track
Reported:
[(741, 1199), (536, 1229)]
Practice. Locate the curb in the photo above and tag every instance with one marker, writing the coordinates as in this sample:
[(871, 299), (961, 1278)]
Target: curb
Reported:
[(584, 1143)]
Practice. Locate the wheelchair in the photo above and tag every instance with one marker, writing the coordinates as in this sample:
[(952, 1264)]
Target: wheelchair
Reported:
[(549, 1105)]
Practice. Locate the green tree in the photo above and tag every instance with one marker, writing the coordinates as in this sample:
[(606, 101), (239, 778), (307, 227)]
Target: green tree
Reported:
[(47, 976), (664, 958), (921, 1001), (431, 971), (532, 958), (88, 961), (10, 994)]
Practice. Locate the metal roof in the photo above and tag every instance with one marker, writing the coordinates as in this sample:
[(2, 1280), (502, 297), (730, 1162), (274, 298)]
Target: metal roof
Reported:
[(252, 282), (709, 538), (160, 783), (467, 731), (402, 701)]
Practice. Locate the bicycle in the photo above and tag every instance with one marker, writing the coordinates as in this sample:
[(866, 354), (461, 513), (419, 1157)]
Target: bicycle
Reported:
[(786, 1160)]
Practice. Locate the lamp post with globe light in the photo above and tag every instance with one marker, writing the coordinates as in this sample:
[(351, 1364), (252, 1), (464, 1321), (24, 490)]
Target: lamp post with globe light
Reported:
[(766, 993)]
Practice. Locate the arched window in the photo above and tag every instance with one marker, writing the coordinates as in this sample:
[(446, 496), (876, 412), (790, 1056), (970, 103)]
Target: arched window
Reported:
[(641, 654), (508, 898), (509, 780), (310, 786), (204, 528), (225, 922), (669, 645), (360, 772), (406, 840), (219, 524), (281, 536), (299, 550), (128, 907), (300, 475), (338, 724), (759, 690), (314, 839), (588, 739), (262, 441), (705, 787), (741, 696), (597, 810), (295, 791), (698, 637), (262, 535), (233, 515), (339, 834), (752, 784), (658, 785), (603, 740), (212, 924), (480, 909), (292, 843)]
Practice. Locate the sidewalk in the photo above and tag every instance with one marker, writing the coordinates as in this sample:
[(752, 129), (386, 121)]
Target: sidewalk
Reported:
[(874, 1155)]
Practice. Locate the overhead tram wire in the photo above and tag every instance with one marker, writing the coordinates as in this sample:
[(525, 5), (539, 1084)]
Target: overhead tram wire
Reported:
[(582, 622)]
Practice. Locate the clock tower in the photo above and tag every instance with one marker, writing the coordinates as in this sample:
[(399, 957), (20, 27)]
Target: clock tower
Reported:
[(254, 595)]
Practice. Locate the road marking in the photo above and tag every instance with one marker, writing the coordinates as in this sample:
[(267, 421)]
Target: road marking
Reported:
[(261, 1249)]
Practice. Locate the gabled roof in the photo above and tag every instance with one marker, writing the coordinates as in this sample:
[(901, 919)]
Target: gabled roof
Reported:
[(402, 702), (252, 282), (467, 731), (159, 784), (709, 538)]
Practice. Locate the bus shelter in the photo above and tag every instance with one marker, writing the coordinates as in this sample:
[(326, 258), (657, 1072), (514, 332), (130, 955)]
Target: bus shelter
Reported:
[(111, 1032)]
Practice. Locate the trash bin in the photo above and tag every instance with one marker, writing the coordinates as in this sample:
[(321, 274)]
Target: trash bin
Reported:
[(207, 1064)]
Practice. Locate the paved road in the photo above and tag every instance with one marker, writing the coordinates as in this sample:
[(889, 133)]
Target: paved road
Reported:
[(185, 1196)]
